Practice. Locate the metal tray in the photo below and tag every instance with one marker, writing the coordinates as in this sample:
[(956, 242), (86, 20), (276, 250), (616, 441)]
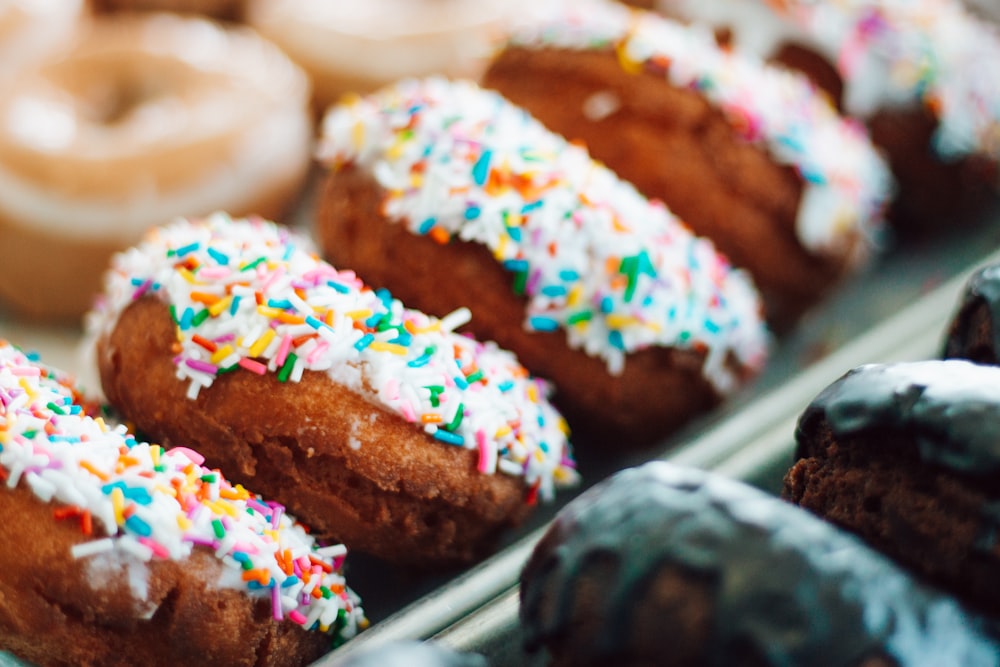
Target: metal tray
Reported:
[(896, 310)]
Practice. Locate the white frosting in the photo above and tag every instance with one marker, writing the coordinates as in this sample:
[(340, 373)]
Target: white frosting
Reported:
[(768, 106), (888, 53)]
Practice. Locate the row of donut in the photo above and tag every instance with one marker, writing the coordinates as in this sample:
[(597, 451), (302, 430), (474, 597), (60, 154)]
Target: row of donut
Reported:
[(146, 118), (882, 551), (437, 442)]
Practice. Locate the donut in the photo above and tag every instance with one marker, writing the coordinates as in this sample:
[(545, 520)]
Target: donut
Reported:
[(230, 10), (906, 456), (378, 426), (668, 565), (972, 333), (748, 155), (359, 47), (146, 118), (402, 653), (32, 29), (121, 552), (923, 75), (448, 195)]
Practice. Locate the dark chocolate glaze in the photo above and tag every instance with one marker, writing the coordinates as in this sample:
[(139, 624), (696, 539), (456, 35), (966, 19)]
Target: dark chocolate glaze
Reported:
[(950, 408), (981, 291), (409, 654), (788, 585)]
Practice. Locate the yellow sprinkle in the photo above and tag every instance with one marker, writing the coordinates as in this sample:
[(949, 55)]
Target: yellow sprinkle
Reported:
[(358, 134), (268, 312), (381, 346), (221, 354), (573, 297), (165, 490), (183, 522), (221, 508), (26, 386), (257, 349), (363, 314), (187, 275), (620, 321), (416, 180), (498, 253), (154, 454), (503, 431), (219, 306), (532, 393), (118, 504)]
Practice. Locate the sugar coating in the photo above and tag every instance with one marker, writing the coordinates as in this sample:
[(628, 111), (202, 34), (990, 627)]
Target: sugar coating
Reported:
[(251, 296), (156, 504), (617, 272), (846, 182)]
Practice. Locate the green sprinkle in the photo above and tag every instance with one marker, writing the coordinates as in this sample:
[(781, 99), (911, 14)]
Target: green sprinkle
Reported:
[(582, 316), (220, 530), (457, 420), (200, 317), (254, 264), (475, 377), (55, 408), (286, 369)]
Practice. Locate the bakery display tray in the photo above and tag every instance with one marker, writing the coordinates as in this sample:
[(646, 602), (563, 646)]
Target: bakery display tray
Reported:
[(896, 310)]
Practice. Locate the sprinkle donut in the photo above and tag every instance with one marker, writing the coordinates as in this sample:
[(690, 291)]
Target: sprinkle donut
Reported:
[(449, 195), (748, 155), (147, 117), (358, 47), (378, 425), (923, 74), (129, 553)]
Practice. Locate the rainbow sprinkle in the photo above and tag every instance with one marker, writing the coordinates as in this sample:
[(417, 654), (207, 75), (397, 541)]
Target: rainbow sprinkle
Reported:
[(617, 272), (846, 183), (282, 310), (889, 53), (140, 503)]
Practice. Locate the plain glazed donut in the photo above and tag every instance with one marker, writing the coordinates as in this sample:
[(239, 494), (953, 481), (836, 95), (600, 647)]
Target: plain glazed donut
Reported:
[(358, 47), (148, 117), (377, 425), (924, 75), (749, 155), (449, 195), (30, 29), (120, 552)]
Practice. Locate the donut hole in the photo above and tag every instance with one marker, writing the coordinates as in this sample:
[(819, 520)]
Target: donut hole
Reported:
[(111, 103)]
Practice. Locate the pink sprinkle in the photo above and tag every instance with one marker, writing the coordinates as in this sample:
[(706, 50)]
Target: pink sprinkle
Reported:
[(200, 365), (320, 349), (296, 616), (193, 456), (142, 289), (214, 272), (271, 279), (485, 458), (246, 548), (286, 344), (228, 338), (158, 549), (276, 516), (408, 412), (253, 366), (26, 371), (276, 612)]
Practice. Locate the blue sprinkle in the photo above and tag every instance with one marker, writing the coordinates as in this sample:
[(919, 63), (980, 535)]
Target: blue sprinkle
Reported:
[(290, 581), (65, 438), (235, 306), (461, 382), (569, 275), (189, 248), (186, 318), (138, 282), (514, 233), (364, 342), (448, 437), (137, 494), (472, 212), (404, 338), (481, 170), (241, 556), (289, 251), (33, 356), (220, 257), (280, 304), (422, 360), (385, 296), (426, 226), (313, 322), (616, 340), (516, 265), (137, 525), (506, 385), (712, 327), (554, 290), (542, 323), (607, 305), (254, 585), (527, 208), (343, 289), (373, 321)]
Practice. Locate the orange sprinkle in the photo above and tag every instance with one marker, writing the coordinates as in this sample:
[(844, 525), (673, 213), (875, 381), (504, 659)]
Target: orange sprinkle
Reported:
[(430, 418), (326, 567), (89, 467), (204, 297), (290, 318), (299, 341), (440, 235)]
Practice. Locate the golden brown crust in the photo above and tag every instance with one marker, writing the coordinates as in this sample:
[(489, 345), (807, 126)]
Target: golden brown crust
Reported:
[(659, 389), (51, 615), (346, 467), (674, 146)]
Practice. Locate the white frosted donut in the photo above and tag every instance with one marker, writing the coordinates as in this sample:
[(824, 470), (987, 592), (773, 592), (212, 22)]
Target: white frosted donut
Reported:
[(146, 118), (30, 29), (358, 47)]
